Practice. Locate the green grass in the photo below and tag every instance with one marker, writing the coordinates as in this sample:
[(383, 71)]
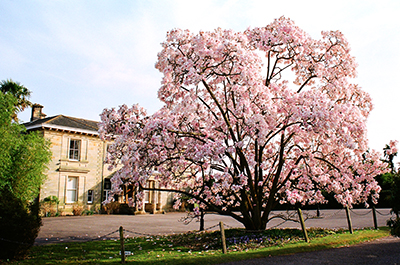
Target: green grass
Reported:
[(198, 248)]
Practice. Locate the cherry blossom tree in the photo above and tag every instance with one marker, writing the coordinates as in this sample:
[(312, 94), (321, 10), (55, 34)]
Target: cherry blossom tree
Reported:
[(390, 181), (251, 120)]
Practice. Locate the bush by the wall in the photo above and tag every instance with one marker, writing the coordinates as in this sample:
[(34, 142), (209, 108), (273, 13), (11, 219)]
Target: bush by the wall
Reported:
[(77, 209), (111, 208), (49, 206)]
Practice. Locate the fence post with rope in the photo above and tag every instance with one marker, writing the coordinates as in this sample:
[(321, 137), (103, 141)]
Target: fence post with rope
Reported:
[(223, 239), (121, 238), (201, 220), (374, 217), (303, 225), (349, 220)]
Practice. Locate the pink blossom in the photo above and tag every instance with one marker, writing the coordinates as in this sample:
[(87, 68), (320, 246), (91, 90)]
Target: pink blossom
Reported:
[(236, 132)]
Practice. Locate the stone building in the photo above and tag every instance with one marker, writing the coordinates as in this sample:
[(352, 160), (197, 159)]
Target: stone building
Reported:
[(77, 173)]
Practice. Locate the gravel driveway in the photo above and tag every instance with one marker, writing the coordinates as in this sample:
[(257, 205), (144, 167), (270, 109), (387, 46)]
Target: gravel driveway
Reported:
[(83, 228)]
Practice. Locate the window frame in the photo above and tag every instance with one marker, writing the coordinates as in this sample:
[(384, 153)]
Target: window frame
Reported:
[(74, 189), (74, 151), (106, 194), (106, 188), (90, 196)]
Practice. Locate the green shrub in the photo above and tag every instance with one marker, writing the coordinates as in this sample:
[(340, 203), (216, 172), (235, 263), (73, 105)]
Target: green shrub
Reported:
[(19, 226), (88, 212), (394, 225), (49, 206)]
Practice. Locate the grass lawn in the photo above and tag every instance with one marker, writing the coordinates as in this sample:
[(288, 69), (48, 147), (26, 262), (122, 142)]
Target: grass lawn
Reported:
[(198, 248)]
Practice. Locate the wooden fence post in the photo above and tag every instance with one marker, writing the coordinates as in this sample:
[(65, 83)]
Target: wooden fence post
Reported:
[(349, 220), (303, 225), (121, 239), (221, 227), (201, 220), (374, 216)]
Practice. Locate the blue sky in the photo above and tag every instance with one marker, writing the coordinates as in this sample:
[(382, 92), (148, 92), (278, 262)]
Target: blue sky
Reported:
[(79, 57)]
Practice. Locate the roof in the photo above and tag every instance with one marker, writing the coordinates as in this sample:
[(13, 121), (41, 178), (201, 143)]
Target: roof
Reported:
[(65, 123)]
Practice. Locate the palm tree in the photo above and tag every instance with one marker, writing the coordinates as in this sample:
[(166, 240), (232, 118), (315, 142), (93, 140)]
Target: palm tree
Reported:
[(20, 92)]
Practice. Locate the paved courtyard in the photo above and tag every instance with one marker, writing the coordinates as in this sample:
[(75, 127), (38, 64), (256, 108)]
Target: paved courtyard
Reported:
[(83, 228)]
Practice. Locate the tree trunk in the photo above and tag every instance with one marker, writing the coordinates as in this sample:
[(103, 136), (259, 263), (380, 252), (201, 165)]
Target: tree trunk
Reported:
[(255, 221)]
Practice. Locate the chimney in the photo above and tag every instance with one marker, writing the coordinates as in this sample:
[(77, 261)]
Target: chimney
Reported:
[(37, 112)]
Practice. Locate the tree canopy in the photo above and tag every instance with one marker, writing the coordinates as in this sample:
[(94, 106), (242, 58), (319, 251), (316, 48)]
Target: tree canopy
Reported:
[(19, 91), (390, 181), (23, 156), (251, 119)]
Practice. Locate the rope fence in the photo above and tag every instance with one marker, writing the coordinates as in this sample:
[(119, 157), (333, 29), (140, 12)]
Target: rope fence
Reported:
[(384, 214), (281, 223), (114, 234), (137, 233), (103, 237), (361, 214), (214, 227), (334, 214)]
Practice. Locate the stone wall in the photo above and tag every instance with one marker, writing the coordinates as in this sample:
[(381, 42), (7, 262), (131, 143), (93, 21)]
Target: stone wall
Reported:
[(87, 170)]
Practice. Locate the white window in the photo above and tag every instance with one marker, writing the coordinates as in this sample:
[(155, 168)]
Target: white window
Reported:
[(106, 194), (90, 196), (107, 184), (107, 189), (72, 190), (74, 149)]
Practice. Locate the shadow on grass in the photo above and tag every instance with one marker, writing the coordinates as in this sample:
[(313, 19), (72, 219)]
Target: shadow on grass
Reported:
[(163, 250), (328, 242)]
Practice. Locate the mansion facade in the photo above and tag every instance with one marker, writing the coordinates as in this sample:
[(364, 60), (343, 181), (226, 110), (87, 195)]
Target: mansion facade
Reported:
[(77, 174)]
